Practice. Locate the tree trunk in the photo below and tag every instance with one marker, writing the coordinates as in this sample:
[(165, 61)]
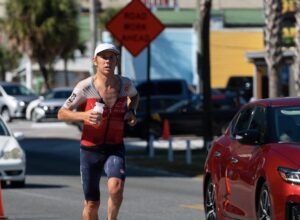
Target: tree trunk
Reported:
[(296, 69), (44, 71), (2, 73), (273, 58)]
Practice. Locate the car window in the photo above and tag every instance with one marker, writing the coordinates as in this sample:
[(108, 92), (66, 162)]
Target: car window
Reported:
[(161, 88), (16, 90), (258, 121), (240, 82), (58, 94), (287, 124), (3, 129), (243, 120), (156, 104)]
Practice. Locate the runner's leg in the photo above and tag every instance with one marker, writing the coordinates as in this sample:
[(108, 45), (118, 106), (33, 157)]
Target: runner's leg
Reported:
[(115, 170), (91, 165), (115, 189), (90, 210)]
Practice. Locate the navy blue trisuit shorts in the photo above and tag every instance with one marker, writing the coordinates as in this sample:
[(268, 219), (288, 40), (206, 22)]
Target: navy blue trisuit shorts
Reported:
[(92, 162)]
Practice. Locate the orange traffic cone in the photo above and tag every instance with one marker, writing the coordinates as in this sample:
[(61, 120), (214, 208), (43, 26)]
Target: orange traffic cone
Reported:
[(166, 130), (2, 216)]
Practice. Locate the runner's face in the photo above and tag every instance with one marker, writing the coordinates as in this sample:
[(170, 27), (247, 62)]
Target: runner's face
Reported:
[(106, 62)]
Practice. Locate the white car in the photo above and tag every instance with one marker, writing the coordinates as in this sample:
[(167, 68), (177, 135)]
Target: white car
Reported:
[(12, 157), (47, 106), (14, 99)]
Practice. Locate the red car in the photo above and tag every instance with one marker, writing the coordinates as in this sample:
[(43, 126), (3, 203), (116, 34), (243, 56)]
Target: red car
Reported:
[(253, 170)]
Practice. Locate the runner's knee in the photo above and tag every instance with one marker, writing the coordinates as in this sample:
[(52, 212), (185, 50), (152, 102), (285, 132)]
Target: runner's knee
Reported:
[(92, 205), (115, 189)]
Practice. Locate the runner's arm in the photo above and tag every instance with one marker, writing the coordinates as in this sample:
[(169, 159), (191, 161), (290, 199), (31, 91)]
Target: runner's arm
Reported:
[(133, 102)]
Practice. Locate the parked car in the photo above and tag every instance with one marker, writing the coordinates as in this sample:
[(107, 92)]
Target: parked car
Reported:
[(158, 104), (15, 98), (176, 88), (186, 116), (47, 106), (12, 157), (252, 171)]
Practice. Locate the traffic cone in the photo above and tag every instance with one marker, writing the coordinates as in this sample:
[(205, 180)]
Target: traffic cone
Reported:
[(2, 216), (166, 130)]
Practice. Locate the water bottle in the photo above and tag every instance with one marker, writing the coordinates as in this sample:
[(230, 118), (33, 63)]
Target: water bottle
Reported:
[(99, 106)]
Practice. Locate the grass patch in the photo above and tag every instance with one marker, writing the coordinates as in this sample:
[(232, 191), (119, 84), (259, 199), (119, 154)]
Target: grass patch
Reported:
[(178, 165)]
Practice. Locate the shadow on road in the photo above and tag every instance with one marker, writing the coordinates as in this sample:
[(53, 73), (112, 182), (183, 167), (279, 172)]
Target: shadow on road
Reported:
[(58, 156), (36, 186)]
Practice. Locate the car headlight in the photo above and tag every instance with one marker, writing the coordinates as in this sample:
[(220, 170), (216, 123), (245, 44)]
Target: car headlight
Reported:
[(13, 153), (45, 107), (289, 175), (21, 103)]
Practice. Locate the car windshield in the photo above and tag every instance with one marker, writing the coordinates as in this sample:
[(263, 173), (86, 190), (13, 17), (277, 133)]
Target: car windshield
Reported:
[(3, 130), (63, 94), (161, 88), (14, 90), (157, 104), (287, 124)]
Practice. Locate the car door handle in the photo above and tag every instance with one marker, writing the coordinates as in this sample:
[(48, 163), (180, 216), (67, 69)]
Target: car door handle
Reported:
[(217, 154), (234, 160)]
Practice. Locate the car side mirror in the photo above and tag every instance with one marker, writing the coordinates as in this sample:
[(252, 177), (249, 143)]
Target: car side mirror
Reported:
[(251, 137), (19, 135)]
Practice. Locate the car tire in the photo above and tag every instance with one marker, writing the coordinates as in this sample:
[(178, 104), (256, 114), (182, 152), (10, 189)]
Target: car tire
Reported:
[(210, 201), (17, 184), (264, 208), (34, 116), (3, 183), (6, 115)]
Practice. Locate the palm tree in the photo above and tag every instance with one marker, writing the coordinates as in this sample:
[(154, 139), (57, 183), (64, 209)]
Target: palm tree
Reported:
[(296, 69), (8, 61), (273, 9), (43, 30)]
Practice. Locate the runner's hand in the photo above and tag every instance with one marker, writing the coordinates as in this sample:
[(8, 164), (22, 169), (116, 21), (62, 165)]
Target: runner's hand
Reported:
[(130, 118), (93, 117)]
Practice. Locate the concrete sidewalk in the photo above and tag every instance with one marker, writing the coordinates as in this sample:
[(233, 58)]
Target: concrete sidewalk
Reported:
[(178, 143)]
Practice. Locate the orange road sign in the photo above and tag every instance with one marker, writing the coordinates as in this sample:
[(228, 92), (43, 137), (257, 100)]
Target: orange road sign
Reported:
[(135, 27)]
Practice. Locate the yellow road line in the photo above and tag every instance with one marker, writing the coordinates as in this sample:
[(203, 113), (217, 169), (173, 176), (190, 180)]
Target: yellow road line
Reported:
[(192, 206)]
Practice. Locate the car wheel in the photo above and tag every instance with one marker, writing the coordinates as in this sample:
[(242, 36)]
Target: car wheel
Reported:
[(210, 201), (17, 184), (34, 116), (264, 210), (6, 115)]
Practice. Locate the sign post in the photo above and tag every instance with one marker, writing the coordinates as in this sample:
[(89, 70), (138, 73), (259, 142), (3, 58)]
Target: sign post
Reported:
[(135, 27)]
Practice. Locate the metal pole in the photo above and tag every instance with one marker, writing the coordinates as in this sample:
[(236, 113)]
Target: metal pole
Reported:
[(93, 28), (170, 150), (148, 102), (188, 155), (151, 147)]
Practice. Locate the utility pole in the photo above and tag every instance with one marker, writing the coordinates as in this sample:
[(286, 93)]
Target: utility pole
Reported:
[(93, 29), (203, 60)]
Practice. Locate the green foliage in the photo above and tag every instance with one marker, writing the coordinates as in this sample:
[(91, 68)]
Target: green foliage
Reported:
[(43, 29), (8, 61)]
